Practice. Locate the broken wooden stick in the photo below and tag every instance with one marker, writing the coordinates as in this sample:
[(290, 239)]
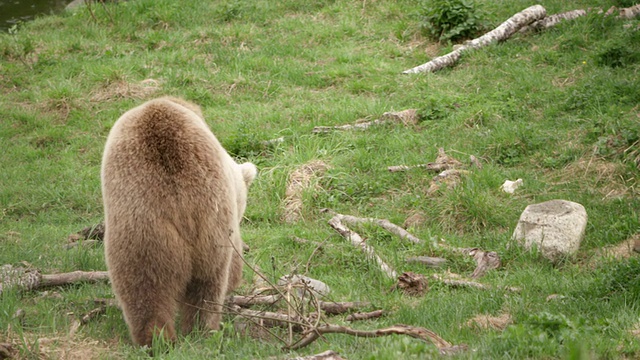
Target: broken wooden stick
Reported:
[(430, 262), (357, 241), (365, 316), (384, 223), (472, 284), (405, 117), (415, 332), (501, 33), (443, 162), (29, 279)]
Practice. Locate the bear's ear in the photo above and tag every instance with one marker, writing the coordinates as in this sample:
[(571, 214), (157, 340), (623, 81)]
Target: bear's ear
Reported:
[(249, 172)]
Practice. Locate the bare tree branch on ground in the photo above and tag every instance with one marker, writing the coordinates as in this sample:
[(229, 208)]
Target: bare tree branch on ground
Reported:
[(501, 33)]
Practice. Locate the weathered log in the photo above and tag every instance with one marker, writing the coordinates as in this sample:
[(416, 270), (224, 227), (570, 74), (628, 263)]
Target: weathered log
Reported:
[(30, 279), (501, 33)]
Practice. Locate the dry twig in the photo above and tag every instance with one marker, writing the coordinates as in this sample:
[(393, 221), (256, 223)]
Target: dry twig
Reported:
[(416, 332)]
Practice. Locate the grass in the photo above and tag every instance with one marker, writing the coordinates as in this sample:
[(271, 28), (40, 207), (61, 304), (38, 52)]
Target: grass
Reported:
[(558, 109)]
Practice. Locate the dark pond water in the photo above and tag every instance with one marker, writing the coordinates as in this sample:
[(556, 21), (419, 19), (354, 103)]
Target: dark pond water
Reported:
[(15, 11)]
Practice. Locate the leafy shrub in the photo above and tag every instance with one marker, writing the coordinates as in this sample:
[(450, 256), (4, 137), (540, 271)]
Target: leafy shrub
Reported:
[(450, 20)]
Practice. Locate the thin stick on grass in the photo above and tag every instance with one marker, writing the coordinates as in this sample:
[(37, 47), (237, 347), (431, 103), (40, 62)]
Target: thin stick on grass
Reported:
[(357, 241), (412, 331), (383, 223)]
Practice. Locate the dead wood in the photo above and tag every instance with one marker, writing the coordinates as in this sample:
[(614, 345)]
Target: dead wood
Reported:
[(92, 235), (365, 316), (404, 117), (416, 332), (485, 260), (468, 283), (553, 20), (501, 33), (327, 355), (431, 262), (412, 284), (357, 241), (336, 308), (31, 279), (86, 318), (384, 223), (246, 301), (443, 162), (300, 179), (356, 126)]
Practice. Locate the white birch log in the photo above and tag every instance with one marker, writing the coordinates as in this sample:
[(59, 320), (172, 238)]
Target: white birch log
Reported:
[(501, 33), (553, 20)]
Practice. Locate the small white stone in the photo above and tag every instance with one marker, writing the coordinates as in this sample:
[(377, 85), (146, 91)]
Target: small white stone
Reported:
[(511, 186)]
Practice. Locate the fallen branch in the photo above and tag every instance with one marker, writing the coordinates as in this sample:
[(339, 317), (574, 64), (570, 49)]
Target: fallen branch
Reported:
[(553, 20), (467, 283), (443, 162), (501, 33), (415, 332), (357, 126), (28, 279), (357, 241), (431, 262), (365, 316), (335, 308), (405, 117), (384, 223)]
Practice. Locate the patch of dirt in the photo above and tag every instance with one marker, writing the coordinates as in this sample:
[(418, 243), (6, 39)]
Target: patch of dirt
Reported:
[(483, 321), (124, 90), (301, 179), (621, 251)]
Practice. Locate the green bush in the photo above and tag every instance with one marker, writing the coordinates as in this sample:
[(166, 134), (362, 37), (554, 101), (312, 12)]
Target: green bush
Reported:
[(450, 20)]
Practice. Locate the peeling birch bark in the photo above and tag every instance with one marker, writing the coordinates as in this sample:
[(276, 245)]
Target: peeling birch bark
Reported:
[(357, 241), (552, 20), (501, 33)]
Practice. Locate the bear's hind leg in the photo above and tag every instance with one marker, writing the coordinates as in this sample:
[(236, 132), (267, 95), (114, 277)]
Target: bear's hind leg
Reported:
[(155, 320), (203, 304)]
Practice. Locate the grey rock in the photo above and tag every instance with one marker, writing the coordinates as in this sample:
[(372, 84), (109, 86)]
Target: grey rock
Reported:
[(556, 228)]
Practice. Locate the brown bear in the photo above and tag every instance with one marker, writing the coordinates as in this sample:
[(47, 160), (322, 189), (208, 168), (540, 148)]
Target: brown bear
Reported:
[(173, 202)]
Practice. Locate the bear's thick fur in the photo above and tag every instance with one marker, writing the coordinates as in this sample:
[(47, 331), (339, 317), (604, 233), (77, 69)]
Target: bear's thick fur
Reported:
[(173, 202)]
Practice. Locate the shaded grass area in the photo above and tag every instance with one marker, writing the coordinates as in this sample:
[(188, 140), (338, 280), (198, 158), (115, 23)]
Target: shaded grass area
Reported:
[(558, 109)]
